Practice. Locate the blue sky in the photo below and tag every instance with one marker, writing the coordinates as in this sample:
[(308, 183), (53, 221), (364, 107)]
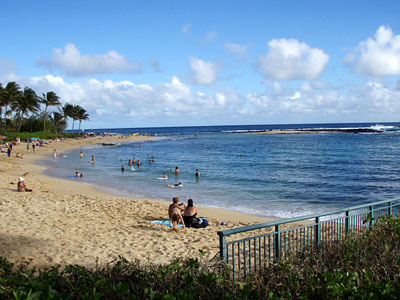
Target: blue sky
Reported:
[(178, 63)]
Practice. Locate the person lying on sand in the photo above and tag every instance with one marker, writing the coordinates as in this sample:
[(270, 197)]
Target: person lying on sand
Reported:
[(22, 187), (19, 155)]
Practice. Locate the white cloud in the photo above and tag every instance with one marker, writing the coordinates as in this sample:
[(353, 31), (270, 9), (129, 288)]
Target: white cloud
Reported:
[(210, 35), (203, 72), (237, 49), (186, 28), (291, 60), (379, 56), (71, 62)]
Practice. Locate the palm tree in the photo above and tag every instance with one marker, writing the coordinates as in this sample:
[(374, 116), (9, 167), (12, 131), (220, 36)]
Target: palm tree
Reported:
[(81, 115), (49, 99), (59, 121), (68, 112), (8, 96), (27, 102)]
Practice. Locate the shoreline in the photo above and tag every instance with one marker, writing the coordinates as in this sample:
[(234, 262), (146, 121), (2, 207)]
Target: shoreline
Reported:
[(64, 222)]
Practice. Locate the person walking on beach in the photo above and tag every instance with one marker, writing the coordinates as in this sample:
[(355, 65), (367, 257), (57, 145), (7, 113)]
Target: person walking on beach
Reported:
[(9, 151), (55, 153), (34, 147)]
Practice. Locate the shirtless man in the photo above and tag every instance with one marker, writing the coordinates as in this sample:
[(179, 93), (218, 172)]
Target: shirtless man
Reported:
[(175, 212)]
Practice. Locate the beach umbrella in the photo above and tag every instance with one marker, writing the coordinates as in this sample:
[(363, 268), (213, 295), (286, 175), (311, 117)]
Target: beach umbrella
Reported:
[(35, 139)]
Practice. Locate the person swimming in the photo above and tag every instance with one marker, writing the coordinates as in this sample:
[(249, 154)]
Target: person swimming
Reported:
[(176, 185), (77, 174), (176, 171), (93, 159), (123, 168), (164, 176)]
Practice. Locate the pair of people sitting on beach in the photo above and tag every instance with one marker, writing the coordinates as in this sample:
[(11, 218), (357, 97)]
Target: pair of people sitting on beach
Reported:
[(187, 215)]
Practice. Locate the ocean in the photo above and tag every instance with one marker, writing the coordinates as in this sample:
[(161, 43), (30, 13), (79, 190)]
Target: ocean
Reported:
[(272, 175)]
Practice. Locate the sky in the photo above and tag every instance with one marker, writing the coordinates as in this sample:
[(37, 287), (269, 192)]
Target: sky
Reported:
[(192, 63)]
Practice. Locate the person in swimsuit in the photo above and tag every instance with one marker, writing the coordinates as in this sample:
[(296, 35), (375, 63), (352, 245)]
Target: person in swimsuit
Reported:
[(190, 213), (176, 185), (22, 187), (175, 213), (197, 174), (81, 154), (176, 171)]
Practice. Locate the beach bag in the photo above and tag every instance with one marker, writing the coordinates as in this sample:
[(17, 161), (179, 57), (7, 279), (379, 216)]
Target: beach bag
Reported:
[(200, 223)]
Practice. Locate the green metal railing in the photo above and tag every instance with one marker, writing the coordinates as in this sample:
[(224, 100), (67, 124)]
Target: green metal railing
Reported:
[(279, 239)]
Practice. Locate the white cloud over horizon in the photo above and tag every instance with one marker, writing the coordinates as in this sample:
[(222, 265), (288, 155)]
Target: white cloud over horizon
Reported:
[(203, 72), (288, 59), (71, 62), (175, 103), (378, 56), (210, 35)]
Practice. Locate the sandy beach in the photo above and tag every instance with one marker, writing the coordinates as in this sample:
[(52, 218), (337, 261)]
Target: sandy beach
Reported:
[(64, 222)]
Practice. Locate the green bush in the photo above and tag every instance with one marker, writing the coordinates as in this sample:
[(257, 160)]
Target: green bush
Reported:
[(363, 267), (12, 136)]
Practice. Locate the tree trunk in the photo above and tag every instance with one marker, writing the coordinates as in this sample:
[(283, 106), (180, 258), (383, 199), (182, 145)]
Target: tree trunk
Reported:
[(73, 122), (44, 119), (19, 121), (79, 132)]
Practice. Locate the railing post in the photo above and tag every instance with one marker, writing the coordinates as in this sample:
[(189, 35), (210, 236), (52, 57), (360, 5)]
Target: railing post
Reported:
[(277, 241), (371, 215), (390, 208), (346, 222), (222, 245), (317, 236)]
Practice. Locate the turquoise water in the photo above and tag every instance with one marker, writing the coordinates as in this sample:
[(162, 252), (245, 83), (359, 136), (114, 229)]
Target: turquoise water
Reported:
[(269, 175)]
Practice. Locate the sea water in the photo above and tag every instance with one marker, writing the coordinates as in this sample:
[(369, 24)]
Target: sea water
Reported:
[(273, 175)]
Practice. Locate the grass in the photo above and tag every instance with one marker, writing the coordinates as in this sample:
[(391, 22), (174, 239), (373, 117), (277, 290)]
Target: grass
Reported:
[(361, 267)]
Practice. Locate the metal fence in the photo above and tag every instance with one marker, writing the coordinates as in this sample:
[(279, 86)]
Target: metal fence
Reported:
[(275, 240)]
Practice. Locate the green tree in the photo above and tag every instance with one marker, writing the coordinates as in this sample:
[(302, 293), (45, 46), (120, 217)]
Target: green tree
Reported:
[(26, 102), (81, 115), (8, 96), (59, 121), (68, 112), (49, 99)]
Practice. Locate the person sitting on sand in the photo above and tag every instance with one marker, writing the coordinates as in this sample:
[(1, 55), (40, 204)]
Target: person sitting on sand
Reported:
[(190, 213), (176, 185), (22, 187), (77, 174), (19, 155), (190, 217), (176, 219), (175, 205), (176, 171)]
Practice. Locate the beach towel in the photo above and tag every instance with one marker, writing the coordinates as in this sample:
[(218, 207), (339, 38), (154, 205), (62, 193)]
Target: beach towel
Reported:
[(167, 222)]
